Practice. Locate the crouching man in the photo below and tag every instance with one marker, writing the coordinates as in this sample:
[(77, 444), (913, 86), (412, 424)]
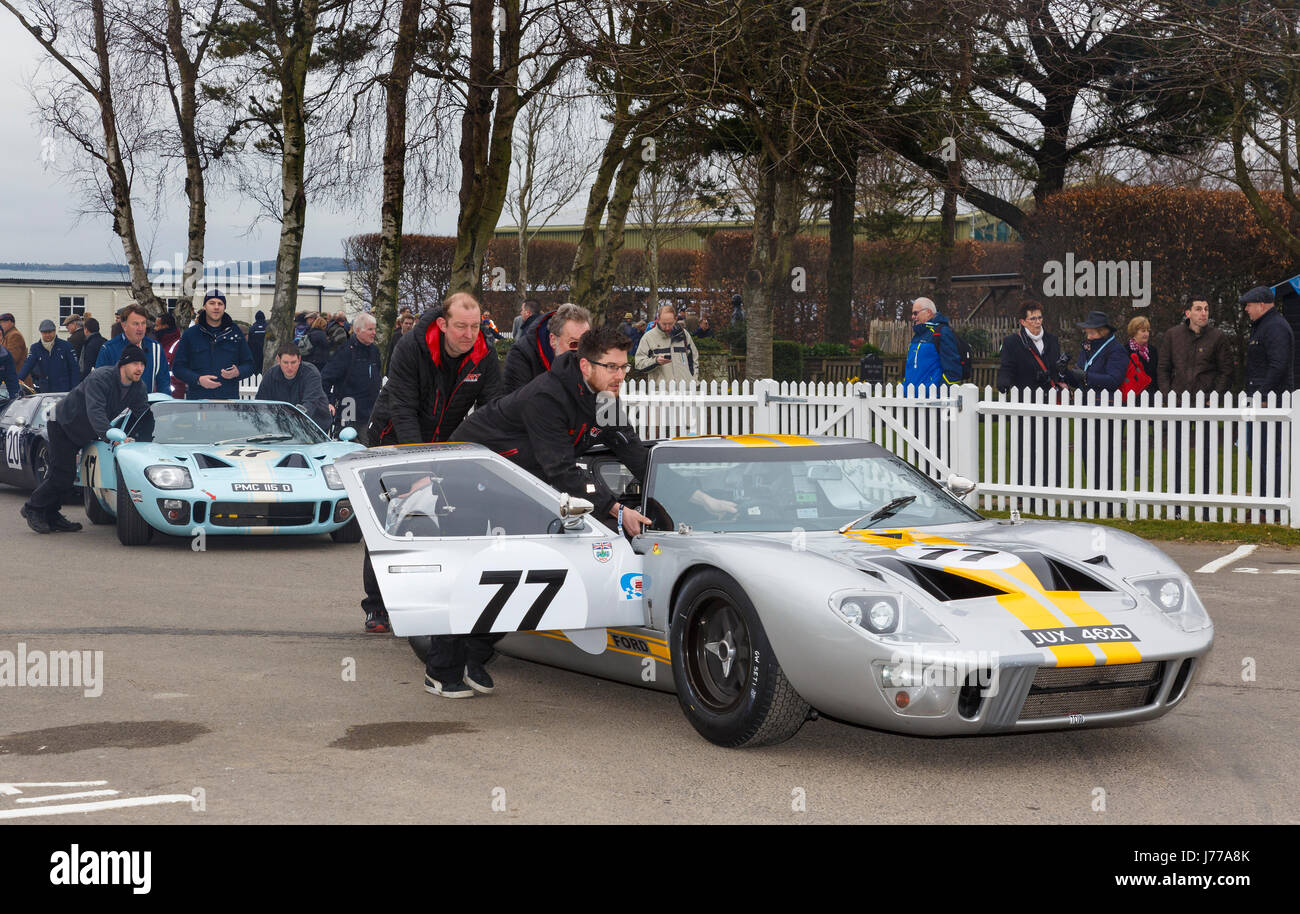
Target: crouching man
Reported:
[(81, 417)]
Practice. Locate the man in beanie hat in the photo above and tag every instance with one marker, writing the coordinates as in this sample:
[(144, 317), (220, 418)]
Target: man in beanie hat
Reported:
[(81, 417), (213, 355), (52, 362)]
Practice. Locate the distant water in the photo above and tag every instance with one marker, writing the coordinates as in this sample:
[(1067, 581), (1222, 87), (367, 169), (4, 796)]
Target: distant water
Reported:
[(69, 275)]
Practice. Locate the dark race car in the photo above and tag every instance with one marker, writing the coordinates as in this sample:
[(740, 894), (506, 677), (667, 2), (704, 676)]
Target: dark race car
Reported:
[(23, 426)]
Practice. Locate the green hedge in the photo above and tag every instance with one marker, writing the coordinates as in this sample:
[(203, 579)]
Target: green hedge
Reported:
[(787, 360)]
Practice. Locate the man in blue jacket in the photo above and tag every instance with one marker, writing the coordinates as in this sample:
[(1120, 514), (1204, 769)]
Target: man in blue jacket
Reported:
[(213, 355), (933, 356), (53, 361), (135, 321), (9, 374)]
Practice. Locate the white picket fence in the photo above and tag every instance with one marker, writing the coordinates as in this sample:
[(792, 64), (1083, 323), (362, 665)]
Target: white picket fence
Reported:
[(1078, 455)]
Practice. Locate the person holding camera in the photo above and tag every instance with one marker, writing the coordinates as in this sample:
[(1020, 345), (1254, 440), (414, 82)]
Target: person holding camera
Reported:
[(667, 352), (1102, 365)]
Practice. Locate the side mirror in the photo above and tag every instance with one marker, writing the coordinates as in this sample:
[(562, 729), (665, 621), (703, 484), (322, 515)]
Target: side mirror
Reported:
[(20, 421), (348, 434), (572, 509), (120, 419), (116, 435), (960, 485)]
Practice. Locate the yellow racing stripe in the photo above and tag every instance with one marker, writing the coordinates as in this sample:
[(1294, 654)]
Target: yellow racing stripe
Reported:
[(1080, 613), (798, 440), (752, 440)]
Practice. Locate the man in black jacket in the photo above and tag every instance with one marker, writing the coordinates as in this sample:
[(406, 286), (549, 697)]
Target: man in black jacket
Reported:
[(535, 350), (544, 427), (81, 417), (90, 351), (1269, 369), (291, 380), (439, 371), (353, 377)]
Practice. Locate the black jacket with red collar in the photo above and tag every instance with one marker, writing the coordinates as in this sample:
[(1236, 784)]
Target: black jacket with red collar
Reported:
[(530, 356), (549, 423), (421, 402)]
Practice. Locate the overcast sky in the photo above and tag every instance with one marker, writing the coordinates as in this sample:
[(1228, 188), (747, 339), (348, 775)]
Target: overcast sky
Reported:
[(38, 220)]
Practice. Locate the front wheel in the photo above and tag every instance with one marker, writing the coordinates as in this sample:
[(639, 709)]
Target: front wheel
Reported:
[(132, 529), (729, 682), (348, 533), (94, 510)]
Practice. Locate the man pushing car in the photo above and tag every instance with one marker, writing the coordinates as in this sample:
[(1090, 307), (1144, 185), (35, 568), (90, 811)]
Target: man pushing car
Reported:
[(81, 417)]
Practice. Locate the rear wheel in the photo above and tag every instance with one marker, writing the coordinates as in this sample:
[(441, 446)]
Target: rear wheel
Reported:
[(729, 682), (132, 529)]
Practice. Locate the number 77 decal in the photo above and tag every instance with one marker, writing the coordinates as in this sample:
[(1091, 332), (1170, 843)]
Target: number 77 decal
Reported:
[(507, 582)]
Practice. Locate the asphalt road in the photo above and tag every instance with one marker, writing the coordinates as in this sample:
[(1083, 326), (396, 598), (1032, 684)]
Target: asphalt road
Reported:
[(226, 698)]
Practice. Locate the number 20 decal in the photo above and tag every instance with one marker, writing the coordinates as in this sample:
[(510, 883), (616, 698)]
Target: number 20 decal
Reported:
[(506, 583), (959, 556)]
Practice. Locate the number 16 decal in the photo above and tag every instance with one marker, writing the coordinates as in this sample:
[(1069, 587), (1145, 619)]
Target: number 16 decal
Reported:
[(507, 582)]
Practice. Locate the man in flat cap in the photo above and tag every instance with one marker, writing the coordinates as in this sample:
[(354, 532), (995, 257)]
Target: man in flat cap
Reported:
[(81, 417), (52, 362), (1269, 369)]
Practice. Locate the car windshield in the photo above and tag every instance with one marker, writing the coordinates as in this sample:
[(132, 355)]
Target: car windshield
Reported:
[(231, 422), (780, 489)]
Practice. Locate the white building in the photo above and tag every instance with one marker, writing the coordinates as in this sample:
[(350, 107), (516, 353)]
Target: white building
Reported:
[(34, 296)]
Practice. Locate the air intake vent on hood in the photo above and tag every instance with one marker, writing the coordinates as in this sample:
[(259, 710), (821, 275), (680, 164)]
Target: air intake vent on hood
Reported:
[(294, 461), (940, 584), (208, 462), (1057, 575)]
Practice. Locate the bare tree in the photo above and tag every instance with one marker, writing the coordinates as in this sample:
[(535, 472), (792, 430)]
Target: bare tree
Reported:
[(82, 38)]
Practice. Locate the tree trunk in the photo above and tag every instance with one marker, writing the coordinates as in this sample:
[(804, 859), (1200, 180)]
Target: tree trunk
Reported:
[(584, 258), (758, 278), (652, 249), (390, 212), (947, 244), (120, 184), (293, 193), (839, 268), (629, 173), (195, 193), (485, 142)]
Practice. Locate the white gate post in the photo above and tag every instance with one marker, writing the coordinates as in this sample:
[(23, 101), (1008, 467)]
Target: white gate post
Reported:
[(1294, 478), (765, 415), (965, 433)]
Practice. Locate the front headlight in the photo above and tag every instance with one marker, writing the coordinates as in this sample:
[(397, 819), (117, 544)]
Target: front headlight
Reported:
[(164, 476), (1175, 597), (332, 477), (895, 618)]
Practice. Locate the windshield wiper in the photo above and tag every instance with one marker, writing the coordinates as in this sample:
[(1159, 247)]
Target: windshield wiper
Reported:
[(881, 513), (255, 439)]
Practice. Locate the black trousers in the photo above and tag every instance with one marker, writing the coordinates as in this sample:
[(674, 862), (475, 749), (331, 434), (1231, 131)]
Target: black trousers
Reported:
[(448, 654), (49, 495)]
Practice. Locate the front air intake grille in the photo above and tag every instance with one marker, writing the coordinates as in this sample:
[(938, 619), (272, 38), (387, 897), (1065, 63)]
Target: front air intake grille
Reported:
[(262, 514), (942, 585), (1060, 692)]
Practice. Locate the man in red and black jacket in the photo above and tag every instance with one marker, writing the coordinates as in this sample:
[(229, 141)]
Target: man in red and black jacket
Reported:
[(439, 371)]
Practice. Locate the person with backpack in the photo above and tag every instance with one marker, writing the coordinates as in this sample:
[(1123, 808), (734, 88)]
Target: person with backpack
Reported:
[(935, 354)]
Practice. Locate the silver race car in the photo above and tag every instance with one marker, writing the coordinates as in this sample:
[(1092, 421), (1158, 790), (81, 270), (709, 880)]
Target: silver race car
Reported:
[(819, 576)]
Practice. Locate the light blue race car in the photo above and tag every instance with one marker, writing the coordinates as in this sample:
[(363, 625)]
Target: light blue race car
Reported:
[(219, 467)]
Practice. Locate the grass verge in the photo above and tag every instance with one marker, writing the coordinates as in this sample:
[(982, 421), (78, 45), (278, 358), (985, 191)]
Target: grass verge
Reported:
[(1185, 531)]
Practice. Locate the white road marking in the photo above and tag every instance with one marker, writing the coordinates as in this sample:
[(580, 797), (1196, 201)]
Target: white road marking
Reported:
[(1287, 571), (96, 806), (69, 796), (1245, 571), (12, 788), (1239, 553)]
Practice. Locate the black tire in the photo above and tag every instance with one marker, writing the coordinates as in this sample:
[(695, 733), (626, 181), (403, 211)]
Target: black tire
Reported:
[(742, 699), (40, 461), (348, 533), (132, 529), (94, 510)]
